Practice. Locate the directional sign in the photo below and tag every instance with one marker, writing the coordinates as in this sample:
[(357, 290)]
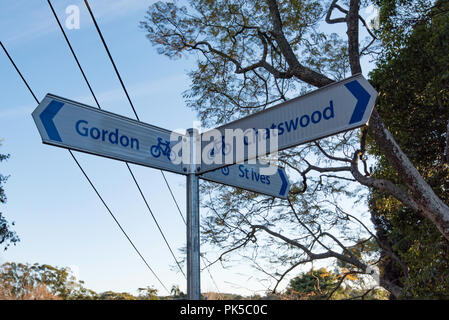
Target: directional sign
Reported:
[(249, 177), (335, 108), (69, 124)]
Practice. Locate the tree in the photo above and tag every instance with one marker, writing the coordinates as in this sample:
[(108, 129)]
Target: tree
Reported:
[(111, 295), (253, 54), (7, 236), (314, 284), (177, 293), (413, 80), (317, 284), (34, 281), (148, 293)]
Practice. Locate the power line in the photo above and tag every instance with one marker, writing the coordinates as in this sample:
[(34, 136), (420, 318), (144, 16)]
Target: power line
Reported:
[(112, 60), (85, 175), (129, 168), (74, 55), (18, 71), (154, 218), (110, 212), (134, 110), (173, 197), (124, 89)]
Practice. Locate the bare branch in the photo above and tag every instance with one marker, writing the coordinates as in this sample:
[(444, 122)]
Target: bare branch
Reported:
[(329, 13), (382, 184), (287, 271), (330, 156), (296, 68), (353, 36), (446, 149), (314, 256), (340, 282)]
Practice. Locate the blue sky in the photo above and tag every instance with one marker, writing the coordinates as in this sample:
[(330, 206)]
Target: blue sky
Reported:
[(58, 216)]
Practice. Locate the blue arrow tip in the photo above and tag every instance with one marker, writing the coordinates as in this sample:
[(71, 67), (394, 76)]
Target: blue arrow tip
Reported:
[(362, 97), (47, 119)]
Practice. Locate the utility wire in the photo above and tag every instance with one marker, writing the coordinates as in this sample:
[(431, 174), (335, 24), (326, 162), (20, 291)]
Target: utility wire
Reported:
[(126, 91), (134, 110), (110, 212), (173, 197), (154, 218), (74, 55), (124, 88), (112, 60), (18, 71), (135, 113), (85, 175), (129, 168)]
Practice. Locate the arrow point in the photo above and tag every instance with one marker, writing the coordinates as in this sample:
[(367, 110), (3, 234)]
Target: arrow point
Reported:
[(47, 119), (362, 96), (284, 182)]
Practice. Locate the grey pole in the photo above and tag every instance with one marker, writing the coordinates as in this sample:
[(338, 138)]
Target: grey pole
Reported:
[(193, 223)]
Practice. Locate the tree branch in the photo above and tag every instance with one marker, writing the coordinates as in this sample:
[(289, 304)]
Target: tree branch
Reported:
[(297, 69), (446, 149), (314, 256), (353, 36), (382, 184), (329, 13)]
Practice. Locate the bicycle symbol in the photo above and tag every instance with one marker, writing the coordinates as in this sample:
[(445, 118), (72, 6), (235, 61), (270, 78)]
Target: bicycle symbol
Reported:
[(219, 146), (225, 171), (163, 148)]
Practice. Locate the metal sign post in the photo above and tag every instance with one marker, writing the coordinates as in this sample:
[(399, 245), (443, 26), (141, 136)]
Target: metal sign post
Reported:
[(193, 222)]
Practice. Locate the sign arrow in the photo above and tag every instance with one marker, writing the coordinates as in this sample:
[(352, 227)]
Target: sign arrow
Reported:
[(47, 117), (284, 182), (362, 97)]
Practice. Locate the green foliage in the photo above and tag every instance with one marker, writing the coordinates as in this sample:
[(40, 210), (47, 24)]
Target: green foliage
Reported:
[(314, 284), (7, 236), (230, 38), (413, 83), (148, 293), (111, 295), (177, 293), (228, 35), (34, 281), (319, 284)]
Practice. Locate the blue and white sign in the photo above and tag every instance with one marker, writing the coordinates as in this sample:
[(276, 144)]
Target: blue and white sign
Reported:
[(250, 177), (335, 108), (69, 124)]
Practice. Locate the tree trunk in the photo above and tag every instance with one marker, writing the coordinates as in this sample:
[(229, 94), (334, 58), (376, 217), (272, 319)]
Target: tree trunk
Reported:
[(429, 204)]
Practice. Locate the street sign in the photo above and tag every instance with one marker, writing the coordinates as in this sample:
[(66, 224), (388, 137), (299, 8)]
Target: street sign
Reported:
[(335, 108), (69, 124), (250, 177)]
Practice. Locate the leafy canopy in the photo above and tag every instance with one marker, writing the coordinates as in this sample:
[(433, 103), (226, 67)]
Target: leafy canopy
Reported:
[(412, 78), (7, 236)]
